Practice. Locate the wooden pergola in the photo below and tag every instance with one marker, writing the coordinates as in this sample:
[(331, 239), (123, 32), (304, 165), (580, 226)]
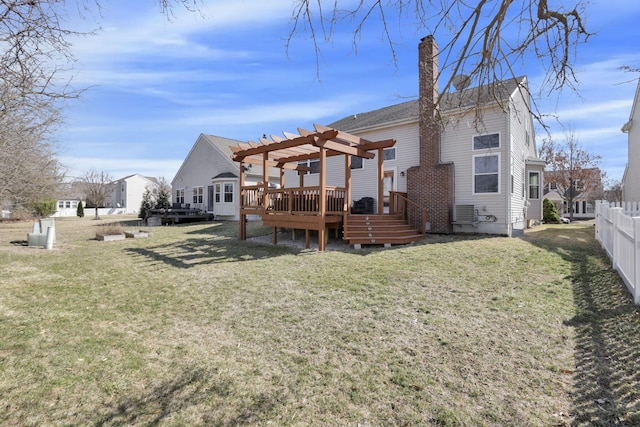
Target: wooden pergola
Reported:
[(309, 208)]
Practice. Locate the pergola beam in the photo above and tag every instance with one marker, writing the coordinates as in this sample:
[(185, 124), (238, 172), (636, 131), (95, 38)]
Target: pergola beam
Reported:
[(344, 149)]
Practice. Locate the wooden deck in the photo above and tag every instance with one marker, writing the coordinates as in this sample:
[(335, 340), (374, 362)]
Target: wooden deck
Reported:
[(180, 215)]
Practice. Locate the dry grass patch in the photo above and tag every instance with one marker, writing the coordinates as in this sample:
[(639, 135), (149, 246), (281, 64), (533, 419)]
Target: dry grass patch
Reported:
[(193, 327)]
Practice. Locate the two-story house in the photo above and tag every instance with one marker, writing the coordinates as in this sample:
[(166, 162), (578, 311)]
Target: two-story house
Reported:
[(473, 164)]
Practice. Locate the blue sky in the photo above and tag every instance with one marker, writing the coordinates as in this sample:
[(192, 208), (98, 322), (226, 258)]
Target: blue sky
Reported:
[(155, 84)]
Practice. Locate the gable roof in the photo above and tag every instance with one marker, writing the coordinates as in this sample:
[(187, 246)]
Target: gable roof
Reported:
[(408, 111), (148, 178), (222, 145)]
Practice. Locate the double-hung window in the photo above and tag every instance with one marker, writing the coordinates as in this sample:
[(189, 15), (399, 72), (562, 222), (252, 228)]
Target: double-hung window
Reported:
[(228, 192), (197, 194), (486, 166), (486, 173), (534, 185), (313, 164)]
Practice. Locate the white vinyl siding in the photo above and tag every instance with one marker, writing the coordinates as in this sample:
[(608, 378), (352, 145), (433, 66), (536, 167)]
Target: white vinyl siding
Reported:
[(364, 181)]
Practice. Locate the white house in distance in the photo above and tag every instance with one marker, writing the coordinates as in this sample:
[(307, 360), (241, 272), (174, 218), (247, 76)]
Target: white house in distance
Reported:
[(209, 180), (127, 192), (472, 176), (631, 177)]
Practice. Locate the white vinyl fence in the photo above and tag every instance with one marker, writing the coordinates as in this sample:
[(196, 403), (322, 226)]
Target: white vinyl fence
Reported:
[(618, 231)]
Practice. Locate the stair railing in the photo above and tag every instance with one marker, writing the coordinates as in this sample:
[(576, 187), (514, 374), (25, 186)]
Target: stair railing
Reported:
[(409, 211)]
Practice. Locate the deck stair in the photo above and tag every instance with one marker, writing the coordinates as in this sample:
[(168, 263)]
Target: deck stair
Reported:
[(379, 230)]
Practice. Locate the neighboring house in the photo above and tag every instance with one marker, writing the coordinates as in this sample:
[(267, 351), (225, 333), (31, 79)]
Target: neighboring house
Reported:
[(68, 199), (472, 176), (631, 177), (209, 180), (583, 202), (67, 206), (127, 192)]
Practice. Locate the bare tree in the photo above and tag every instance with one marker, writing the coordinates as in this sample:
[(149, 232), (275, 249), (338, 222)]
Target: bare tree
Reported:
[(96, 187), (485, 40), (574, 171), (35, 59), (613, 192)]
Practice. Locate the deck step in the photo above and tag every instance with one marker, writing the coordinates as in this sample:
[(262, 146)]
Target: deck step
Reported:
[(378, 230)]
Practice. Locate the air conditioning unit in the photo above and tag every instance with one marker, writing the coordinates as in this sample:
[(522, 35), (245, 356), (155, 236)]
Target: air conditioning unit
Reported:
[(464, 214)]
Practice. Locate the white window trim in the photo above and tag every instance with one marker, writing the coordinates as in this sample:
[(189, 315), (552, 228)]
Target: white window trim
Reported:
[(224, 192), (473, 174), (486, 149), (539, 187)]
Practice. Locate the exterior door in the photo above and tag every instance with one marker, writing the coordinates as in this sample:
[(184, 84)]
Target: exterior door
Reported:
[(224, 202), (210, 197), (388, 185)]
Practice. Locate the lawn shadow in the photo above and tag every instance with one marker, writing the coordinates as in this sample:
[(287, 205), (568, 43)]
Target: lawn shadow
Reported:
[(607, 330), (204, 250), (196, 395)]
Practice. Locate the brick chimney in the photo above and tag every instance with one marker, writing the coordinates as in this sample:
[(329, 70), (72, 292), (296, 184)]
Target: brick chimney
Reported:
[(431, 184)]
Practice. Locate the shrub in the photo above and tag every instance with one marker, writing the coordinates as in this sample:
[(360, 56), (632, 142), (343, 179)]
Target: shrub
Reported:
[(45, 208), (80, 210), (549, 212), (147, 204)]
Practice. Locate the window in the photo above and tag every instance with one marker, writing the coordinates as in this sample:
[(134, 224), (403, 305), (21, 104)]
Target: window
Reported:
[(74, 204), (217, 193), (356, 162), (180, 196), (197, 194), (486, 176), (61, 204), (534, 185), (313, 164), (481, 142), (67, 204), (228, 192), (389, 153)]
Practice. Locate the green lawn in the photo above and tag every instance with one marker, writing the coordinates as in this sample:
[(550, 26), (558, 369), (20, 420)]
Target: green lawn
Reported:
[(193, 327)]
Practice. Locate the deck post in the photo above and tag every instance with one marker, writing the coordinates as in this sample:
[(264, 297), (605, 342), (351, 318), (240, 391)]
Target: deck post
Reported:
[(347, 196), (275, 235), (322, 229), (243, 217), (265, 180)]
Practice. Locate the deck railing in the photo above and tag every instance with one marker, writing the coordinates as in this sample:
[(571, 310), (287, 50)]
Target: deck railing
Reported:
[(293, 200), (404, 208), (252, 197), (305, 200)]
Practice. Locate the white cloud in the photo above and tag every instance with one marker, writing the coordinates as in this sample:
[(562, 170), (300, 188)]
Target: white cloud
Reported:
[(612, 107), (121, 167)]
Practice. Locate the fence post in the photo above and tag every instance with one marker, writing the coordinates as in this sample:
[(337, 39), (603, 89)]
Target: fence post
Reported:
[(615, 249)]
